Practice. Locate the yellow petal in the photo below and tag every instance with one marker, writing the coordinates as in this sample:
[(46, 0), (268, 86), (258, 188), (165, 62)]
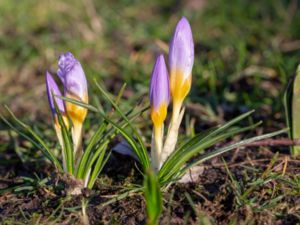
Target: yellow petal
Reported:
[(179, 85), (159, 115), (76, 113)]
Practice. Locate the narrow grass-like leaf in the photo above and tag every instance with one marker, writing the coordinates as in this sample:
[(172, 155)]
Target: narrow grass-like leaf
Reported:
[(295, 111), (68, 148), (228, 148), (79, 103), (93, 158), (36, 140), (120, 94), (84, 167), (153, 197), (111, 133), (123, 195), (139, 138), (207, 135), (139, 151), (83, 160), (101, 161), (197, 144), (228, 124), (26, 136), (207, 139), (176, 161), (235, 184), (92, 108)]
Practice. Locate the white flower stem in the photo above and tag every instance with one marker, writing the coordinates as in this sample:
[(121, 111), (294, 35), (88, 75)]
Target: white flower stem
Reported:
[(156, 146), (173, 130), (77, 138)]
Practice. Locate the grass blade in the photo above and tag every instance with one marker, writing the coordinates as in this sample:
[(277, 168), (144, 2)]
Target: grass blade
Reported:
[(180, 156), (230, 147), (140, 152), (153, 197), (38, 142), (294, 113), (140, 141), (83, 160), (68, 148), (98, 168)]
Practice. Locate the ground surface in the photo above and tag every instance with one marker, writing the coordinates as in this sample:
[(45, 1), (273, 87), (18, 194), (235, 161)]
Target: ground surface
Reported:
[(245, 53), (254, 190)]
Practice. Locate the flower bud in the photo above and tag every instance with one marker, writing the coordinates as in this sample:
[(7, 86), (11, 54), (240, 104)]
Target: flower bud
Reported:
[(52, 90), (159, 91), (181, 60), (75, 85), (159, 101)]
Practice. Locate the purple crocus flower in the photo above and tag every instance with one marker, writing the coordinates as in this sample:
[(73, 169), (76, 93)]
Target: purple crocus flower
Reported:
[(181, 60), (52, 88), (75, 84), (72, 76), (159, 91), (159, 101)]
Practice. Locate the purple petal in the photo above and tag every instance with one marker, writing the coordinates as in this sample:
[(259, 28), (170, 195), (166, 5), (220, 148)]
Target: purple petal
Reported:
[(72, 75), (159, 84), (181, 53), (52, 87)]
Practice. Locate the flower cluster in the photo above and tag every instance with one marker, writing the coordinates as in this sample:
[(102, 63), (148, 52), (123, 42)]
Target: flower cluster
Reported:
[(84, 163), (181, 60)]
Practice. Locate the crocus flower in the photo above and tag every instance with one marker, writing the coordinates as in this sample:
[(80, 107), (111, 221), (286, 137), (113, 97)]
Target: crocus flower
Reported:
[(159, 91), (159, 100), (52, 91), (75, 87), (181, 60)]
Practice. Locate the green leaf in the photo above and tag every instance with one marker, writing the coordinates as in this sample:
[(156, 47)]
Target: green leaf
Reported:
[(230, 147), (36, 140), (139, 151), (101, 161), (84, 158), (79, 103), (153, 197), (68, 147), (178, 160), (93, 157), (295, 111), (139, 138), (124, 195), (197, 144)]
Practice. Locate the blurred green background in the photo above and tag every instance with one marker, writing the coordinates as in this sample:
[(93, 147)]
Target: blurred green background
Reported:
[(245, 51)]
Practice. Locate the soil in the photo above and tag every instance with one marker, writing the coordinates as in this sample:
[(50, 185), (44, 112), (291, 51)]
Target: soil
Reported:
[(214, 195)]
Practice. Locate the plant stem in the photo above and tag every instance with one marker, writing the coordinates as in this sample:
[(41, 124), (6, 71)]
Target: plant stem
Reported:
[(172, 136), (157, 147)]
